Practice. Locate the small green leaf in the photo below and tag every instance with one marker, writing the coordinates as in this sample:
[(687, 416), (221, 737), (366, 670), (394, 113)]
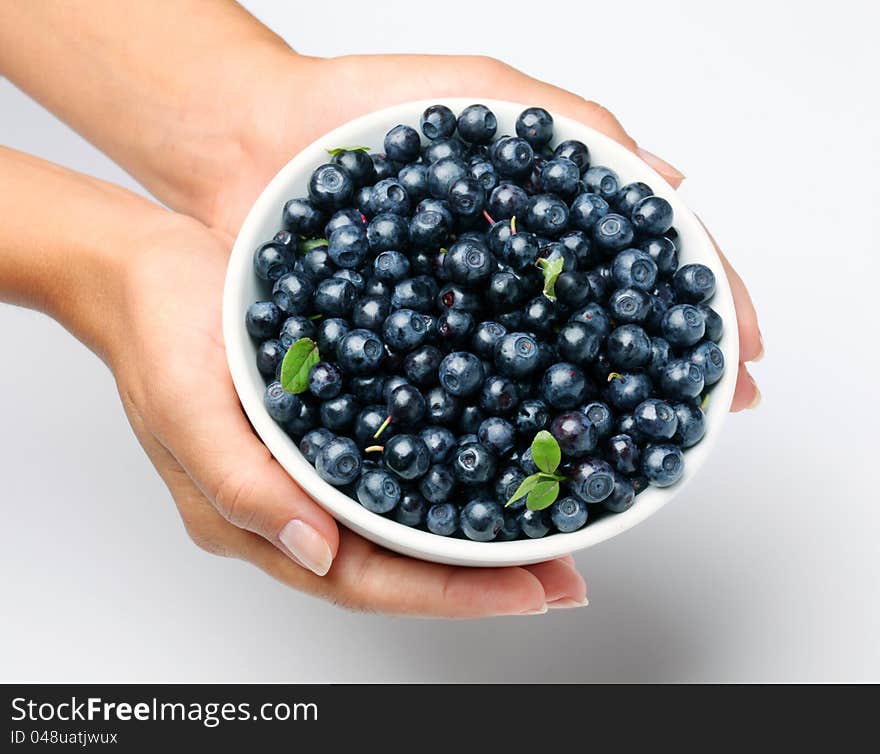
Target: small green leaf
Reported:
[(545, 452), (527, 485), (311, 243), (552, 270), (542, 496), (336, 150), (298, 362)]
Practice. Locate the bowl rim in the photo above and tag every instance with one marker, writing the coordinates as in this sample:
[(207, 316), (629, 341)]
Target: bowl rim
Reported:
[(387, 532)]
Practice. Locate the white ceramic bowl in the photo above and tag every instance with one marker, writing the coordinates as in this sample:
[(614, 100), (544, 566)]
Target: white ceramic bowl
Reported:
[(242, 288)]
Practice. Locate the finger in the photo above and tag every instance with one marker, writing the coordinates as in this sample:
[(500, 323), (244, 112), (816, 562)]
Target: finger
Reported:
[(746, 393), (213, 441), (561, 580)]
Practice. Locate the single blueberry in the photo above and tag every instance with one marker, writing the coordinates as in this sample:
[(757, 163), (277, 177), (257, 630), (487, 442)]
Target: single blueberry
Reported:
[(389, 195), (664, 254), (507, 200), (569, 514), (280, 405), (407, 456), (325, 380), (348, 246), (683, 325), (652, 216), (473, 463), (461, 373), (357, 163), (623, 454), (662, 464), (681, 379), (387, 231), (535, 125), (402, 143), (292, 293), (622, 496), (634, 268), (477, 124), (497, 434), (442, 519), (591, 479), (563, 386), (467, 197), (629, 305), (602, 181), (443, 173), (262, 320), (334, 297), (338, 414), (438, 121), (694, 283), (628, 347), (576, 151), (481, 520), (414, 178), (360, 351), (440, 443), (443, 408), (534, 524), (437, 485), (330, 187), (655, 419), (513, 157), (313, 441), (339, 461), (578, 343), (378, 491), (270, 354), (272, 261), (420, 365), (627, 390), (708, 357)]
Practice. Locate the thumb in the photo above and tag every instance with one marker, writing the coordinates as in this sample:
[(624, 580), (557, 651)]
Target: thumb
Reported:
[(213, 441)]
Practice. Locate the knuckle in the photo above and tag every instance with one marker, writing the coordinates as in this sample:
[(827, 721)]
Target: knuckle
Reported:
[(234, 499), (206, 542)]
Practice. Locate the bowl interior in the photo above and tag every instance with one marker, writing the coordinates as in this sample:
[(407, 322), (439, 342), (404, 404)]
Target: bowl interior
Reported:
[(242, 288)]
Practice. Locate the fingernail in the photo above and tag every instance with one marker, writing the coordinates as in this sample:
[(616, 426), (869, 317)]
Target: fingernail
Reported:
[(567, 602), (674, 175), (536, 612), (761, 352), (307, 546), (756, 401)]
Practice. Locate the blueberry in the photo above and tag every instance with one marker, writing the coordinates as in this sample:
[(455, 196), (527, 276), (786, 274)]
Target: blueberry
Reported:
[(317, 265), (662, 464), (305, 417), (443, 173), (286, 238), (498, 395), (681, 379), (407, 456), (513, 157), (531, 417), (330, 334), (591, 479), (586, 211), (485, 337), (628, 196), (477, 124), (411, 510), (484, 173), (539, 315), (414, 179), (443, 408), (569, 514), (361, 200), (263, 320), (416, 293), (622, 496), (547, 214), (655, 419), (420, 365), (325, 380), (663, 252), (338, 414), (626, 425), (440, 443), (710, 359), (534, 524), (468, 262), (694, 283), (516, 355), (521, 251), (292, 293), (497, 434), (714, 323), (442, 519), (341, 218), (384, 167), (334, 297), (576, 151), (280, 405), (270, 354), (313, 441), (357, 163), (455, 327), (510, 529), (404, 330), (660, 355), (628, 347), (302, 217), (628, 389), (577, 343), (600, 416), (613, 232), (481, 520), (389, 195), (438, 121), (330, 187), (683, 325), (629, 305), (602, 181), (466, 197), (535, 125), (378, 491), (406, 405), (473, 463), (563, 386), (623, 454), (507, 200), (348, 246), (652, 216), (595, 318), (440, 149), (360, 351), (691, 424), (437, 485), (575, 433), (634, 268), (461, 373), (402, 143), (368, 422), (387, 231), (506, 483), (339, 461), (271, 261)]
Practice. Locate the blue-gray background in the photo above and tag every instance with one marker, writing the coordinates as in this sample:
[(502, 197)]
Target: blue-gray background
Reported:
[(765, 569)]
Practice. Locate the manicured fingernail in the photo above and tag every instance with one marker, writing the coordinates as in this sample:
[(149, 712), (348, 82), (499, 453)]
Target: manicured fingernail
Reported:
[(756, 401), (566, 602), (761, 352), (535, 612), (307, 546), (674, 175)]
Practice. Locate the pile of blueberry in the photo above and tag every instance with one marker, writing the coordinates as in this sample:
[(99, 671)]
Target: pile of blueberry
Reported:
[(436, 308)]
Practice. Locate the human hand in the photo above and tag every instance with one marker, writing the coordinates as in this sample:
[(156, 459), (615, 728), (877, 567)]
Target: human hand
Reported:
[(233, 496)]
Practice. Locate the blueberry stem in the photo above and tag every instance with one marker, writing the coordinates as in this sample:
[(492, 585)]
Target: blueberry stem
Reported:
[(705, 401), (513, 225), (374, 449), (488, 218), (614, 376), (541, 262), (383, 427), (316, 316)]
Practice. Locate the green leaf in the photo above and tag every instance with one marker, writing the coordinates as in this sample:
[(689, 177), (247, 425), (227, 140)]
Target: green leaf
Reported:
[(298, 362), (336, 150), (542, 476), (527, 485), (311, 243), (552, 270), (542, 496), (545, 452)]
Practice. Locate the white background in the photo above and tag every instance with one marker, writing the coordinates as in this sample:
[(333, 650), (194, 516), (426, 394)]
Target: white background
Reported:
[(766, 569)]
